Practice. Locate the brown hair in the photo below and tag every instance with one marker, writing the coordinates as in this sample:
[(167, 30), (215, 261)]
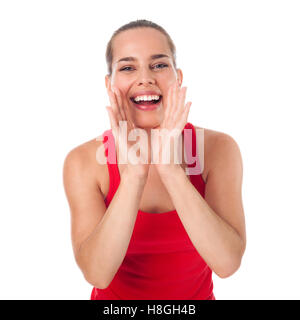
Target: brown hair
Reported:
[(133, 25)]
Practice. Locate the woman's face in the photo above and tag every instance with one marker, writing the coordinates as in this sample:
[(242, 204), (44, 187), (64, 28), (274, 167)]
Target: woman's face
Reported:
[(143, 71)]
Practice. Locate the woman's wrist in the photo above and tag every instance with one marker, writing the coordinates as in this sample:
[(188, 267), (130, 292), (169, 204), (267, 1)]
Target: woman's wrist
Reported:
[(167, 170), (131, 175)]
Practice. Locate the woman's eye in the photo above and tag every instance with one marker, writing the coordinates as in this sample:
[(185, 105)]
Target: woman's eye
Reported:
[(161, 64), (124, 69)]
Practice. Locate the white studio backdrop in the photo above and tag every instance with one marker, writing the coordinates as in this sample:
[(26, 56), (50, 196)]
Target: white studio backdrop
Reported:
[(240, 62)]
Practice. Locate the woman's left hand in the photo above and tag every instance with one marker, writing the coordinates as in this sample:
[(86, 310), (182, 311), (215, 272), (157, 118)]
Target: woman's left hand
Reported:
[(175, 117)]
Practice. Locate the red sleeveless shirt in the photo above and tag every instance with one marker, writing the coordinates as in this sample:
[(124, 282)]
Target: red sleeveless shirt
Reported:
[(161, 262)]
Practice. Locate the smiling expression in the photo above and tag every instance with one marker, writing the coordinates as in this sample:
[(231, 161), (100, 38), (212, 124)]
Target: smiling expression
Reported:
[(142, 65)]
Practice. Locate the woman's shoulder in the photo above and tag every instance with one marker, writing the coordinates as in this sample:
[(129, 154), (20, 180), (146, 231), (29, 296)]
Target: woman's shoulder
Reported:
[(86, 149), (215, 143), (88, 159), (213, 137), (88, 156)]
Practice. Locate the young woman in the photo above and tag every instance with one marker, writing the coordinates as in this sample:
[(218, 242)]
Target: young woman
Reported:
[(149, 230)]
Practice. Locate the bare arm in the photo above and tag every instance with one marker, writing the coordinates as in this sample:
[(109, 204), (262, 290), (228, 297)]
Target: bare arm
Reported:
[(100, 236), (216, 224)]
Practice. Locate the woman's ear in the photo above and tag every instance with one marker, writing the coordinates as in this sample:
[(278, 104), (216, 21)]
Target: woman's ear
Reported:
[(107, 79), (179, 77)]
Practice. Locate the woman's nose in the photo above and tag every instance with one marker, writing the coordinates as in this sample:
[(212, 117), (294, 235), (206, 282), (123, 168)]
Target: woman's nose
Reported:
[(145, 77)]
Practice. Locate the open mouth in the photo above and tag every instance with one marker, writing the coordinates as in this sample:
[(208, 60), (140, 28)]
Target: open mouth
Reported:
[(147, 102)]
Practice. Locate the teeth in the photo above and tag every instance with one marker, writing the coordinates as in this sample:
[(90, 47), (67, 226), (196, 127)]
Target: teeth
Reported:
[(146, 98)]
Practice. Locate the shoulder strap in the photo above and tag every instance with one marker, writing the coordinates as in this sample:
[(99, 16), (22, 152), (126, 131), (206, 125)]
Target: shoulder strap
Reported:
[(113, 170), (191, 142)]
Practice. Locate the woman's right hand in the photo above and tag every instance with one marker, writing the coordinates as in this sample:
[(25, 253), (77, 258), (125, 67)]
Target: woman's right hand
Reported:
[(120, 111)]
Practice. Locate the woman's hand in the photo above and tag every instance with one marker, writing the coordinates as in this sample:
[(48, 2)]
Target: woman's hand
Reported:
[(176, 114), (120, 111)]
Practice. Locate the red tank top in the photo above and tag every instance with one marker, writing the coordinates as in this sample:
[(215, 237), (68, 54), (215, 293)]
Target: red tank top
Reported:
[(161, 262)]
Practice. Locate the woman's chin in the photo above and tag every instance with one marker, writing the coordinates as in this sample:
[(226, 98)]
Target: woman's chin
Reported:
[(147, 124)]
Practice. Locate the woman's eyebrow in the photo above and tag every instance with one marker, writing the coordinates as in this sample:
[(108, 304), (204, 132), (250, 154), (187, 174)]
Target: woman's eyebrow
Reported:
[(153, 57)]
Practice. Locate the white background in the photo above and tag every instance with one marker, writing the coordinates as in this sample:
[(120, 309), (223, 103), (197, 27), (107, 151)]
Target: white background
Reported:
[(240, 61)]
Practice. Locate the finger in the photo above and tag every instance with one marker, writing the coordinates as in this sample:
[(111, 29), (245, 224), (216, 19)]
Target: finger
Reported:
[(180, 102), (175, 99), (128, 113), (112, 118), (114, 125), (169, 101), (114, 103), (186, 112), (120, 102), (124, 109)]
